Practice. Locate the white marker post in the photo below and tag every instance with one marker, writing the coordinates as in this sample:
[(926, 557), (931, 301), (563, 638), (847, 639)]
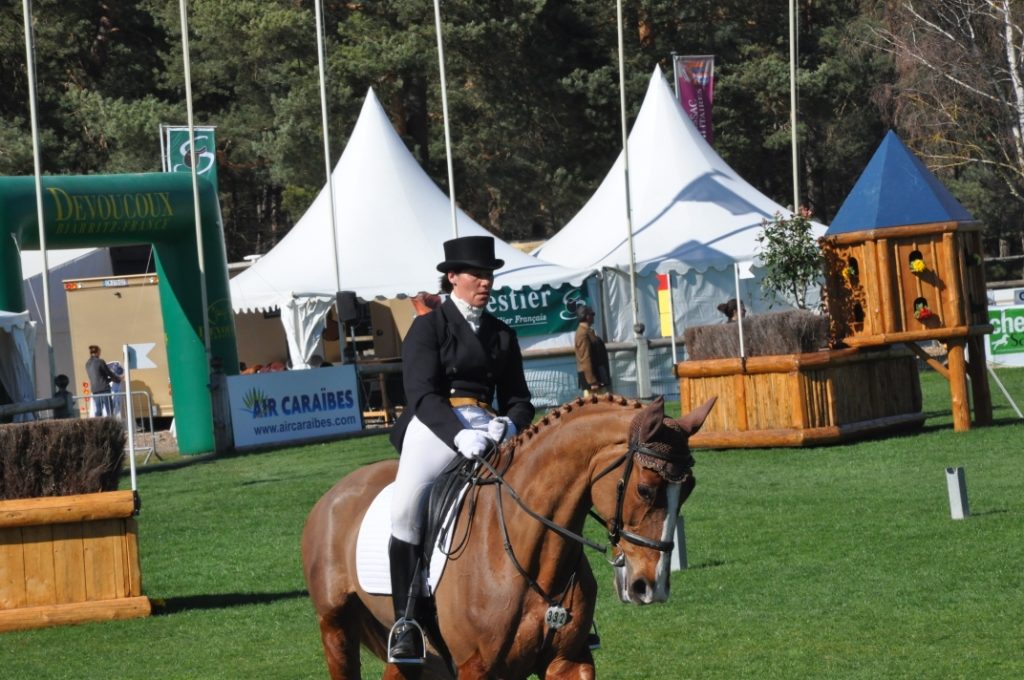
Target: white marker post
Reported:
[(679, 559), (956, 484), (135, 356)]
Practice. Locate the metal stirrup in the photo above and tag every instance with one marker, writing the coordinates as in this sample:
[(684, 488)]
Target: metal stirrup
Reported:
[(411, 623)]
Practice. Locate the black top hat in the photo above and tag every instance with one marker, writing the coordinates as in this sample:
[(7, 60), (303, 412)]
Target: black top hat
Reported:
[(469, 252)]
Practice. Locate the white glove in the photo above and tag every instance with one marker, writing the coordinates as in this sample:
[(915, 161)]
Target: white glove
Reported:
[(471, 443), (501, 429)]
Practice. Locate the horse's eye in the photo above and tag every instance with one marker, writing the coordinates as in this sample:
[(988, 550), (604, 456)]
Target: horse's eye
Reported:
[(647, 493)]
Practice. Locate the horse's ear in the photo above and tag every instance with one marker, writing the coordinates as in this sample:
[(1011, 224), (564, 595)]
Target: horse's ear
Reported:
[(650, 419), (692, 421)]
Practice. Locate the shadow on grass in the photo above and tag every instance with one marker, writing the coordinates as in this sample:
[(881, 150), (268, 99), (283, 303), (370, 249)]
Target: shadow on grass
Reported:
[(175, 605), (997, 511), (707, 564)]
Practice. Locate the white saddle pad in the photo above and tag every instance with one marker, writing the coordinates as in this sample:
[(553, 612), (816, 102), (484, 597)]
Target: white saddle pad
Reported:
[(372, 564)]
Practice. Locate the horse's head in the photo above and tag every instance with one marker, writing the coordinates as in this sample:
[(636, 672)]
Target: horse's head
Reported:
[(657, 478)]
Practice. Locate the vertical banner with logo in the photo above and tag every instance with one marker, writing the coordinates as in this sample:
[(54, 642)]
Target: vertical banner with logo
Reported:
[(695, 87), (665, 311), (537, 312), (177, 158)]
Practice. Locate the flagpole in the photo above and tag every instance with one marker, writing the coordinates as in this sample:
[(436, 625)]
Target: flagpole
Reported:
[(792, 103), (321, 57), (739, 310), (643, 377), (200, 251), (30, 66), (444, 112)]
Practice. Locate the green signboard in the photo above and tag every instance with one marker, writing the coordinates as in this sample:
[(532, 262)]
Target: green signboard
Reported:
[(543, 311), (180, 160), (1008, 330)]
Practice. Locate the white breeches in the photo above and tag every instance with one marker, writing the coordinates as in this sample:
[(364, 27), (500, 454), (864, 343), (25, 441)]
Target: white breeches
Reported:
[(424, 457)]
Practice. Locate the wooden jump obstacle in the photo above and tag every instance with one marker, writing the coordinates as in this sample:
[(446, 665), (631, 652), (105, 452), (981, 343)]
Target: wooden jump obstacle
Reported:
[(69, 559), (802, 399), (904, 265)]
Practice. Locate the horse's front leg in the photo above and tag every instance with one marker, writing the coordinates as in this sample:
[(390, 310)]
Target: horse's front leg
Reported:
[(571, 669)]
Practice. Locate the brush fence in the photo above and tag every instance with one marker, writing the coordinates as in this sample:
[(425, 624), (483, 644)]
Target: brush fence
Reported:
[(802, 399), (69, 559)]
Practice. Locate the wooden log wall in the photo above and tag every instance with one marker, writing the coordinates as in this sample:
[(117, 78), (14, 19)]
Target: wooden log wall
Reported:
[(792, 400), (68, 560)]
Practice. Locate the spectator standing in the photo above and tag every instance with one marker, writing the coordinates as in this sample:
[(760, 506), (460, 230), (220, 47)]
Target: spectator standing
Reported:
[(100, 379), (591, 355), (117, 388)]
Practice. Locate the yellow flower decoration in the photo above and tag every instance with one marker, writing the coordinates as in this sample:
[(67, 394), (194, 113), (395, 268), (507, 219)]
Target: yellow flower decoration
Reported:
[(917, 266)]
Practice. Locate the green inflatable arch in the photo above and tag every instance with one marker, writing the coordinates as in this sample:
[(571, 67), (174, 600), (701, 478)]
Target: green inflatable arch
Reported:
[(157, 209)]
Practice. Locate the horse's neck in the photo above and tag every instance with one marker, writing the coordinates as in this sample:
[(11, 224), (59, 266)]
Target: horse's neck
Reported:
[(554, 466)]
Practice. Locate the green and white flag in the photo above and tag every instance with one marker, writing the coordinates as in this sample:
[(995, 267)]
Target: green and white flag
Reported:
[(176, 151)]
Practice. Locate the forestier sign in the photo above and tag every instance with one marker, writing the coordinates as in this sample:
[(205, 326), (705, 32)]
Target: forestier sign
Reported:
[(293, 406), (1006, 344), (537, 312)]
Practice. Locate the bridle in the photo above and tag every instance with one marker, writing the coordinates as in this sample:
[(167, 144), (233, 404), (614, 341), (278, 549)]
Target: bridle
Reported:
[(649, 458), (616, 528)]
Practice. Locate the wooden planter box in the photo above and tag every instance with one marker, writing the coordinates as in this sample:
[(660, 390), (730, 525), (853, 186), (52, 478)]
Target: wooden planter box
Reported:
[(802, 399), (69, 559)]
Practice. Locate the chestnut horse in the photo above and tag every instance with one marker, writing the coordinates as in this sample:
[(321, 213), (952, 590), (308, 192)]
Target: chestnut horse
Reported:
[(520, 557)]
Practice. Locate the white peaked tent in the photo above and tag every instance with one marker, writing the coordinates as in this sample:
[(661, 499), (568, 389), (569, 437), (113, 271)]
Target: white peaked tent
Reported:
[(392, 221), (693, 217)]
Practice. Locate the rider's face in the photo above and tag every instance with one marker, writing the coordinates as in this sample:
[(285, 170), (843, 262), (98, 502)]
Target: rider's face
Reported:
[(472, 285)]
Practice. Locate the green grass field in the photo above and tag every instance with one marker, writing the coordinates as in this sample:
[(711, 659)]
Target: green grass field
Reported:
[(837, 562)]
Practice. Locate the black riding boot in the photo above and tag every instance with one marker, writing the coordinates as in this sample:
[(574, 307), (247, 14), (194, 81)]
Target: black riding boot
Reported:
[(405, 643)]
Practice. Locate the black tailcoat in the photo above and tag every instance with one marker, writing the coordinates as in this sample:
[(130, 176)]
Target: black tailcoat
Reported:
[(442, 358)]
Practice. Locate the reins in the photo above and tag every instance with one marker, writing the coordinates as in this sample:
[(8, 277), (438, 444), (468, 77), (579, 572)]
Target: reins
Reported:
[(557, 528)]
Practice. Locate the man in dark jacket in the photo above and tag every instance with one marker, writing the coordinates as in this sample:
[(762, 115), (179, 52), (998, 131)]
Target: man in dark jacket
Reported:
[(100, 379), (465, 389)]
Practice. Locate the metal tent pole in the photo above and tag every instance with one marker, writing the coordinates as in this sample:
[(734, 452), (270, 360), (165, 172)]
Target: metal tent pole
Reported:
[(30, 66), (643, 368), (321, 58), (444, 111)]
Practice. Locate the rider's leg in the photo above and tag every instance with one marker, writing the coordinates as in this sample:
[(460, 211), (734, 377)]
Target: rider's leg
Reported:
[(423, 458), (406, 639)]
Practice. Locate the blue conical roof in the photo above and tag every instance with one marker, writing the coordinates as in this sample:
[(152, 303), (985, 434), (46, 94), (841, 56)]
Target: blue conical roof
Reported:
[(896, 189)]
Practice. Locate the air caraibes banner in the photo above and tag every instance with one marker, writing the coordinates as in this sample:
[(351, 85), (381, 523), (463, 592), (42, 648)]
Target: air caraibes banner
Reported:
[(537, 312), (695, 87), (177, 157), (294, 406)]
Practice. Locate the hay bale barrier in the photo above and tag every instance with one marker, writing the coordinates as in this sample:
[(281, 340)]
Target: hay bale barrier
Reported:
[(68, 537), (791, 332), (790, 390), (60, 457)]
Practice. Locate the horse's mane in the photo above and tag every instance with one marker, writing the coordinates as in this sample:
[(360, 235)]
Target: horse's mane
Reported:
[(571, 409), (568, 411)]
